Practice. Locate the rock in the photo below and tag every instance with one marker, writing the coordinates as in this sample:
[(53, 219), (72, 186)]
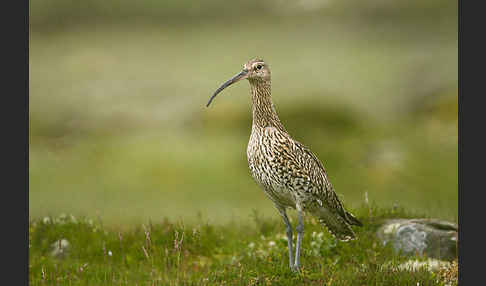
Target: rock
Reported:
[(60, 248), (431, 237)]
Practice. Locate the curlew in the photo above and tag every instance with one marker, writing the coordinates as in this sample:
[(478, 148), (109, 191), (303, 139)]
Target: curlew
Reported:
[(287, 171)]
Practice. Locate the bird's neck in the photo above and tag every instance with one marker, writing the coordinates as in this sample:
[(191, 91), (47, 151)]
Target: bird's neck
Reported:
[(264, 113)]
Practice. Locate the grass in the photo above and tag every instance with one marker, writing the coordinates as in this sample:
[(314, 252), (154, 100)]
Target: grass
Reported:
[(250, 253)]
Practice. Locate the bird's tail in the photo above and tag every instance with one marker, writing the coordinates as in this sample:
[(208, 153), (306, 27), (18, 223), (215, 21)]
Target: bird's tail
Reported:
[(336, 224), (351, 219)]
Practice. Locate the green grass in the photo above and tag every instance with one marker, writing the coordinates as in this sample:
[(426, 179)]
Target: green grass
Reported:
[(250, 253)]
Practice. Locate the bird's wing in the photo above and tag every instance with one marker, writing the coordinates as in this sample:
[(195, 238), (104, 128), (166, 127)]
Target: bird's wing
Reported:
[(324, 190), (337, 225), (303, 171)]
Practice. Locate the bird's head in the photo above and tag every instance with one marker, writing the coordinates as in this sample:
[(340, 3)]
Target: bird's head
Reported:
[(255, 70)]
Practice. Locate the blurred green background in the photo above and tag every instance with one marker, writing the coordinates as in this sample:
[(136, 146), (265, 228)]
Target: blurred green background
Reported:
[(119, 128)]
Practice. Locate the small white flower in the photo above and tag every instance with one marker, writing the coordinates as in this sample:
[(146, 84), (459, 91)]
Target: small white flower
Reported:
[(110, 253), (46, 220), (73, 219), (251, 245), (271, 243), (262, 253)]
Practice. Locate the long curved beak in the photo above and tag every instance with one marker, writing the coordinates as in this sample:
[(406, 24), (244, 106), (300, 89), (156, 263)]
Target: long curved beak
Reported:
[(242, 75)]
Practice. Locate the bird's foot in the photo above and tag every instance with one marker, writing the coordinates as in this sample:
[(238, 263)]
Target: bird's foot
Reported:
[(295, 268)]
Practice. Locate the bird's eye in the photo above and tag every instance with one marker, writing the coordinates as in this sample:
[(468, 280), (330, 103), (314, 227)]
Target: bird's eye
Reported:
[(259, 67)]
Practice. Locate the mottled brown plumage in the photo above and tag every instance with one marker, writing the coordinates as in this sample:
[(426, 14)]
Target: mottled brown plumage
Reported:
[(289, 173)]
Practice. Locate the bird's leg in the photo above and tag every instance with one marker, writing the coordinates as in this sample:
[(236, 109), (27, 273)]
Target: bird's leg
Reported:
[(300, 232), (288, 228)]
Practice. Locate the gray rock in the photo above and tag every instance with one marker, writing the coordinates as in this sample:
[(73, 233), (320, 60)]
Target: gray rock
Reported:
[(60, 248), (430, 237)]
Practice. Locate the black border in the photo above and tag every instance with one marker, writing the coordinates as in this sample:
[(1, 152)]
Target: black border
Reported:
[(26, 29), (471, 160), (14, 138)]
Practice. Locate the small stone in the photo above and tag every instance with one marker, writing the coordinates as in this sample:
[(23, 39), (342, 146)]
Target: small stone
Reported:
[(60, 248)]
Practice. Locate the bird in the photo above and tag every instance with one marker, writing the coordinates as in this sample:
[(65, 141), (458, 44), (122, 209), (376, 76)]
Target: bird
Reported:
[(291, 176)]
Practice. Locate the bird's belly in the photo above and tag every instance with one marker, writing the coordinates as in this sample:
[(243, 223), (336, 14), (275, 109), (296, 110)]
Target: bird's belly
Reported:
[(271, 184), (264, 170), (281, 195)]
